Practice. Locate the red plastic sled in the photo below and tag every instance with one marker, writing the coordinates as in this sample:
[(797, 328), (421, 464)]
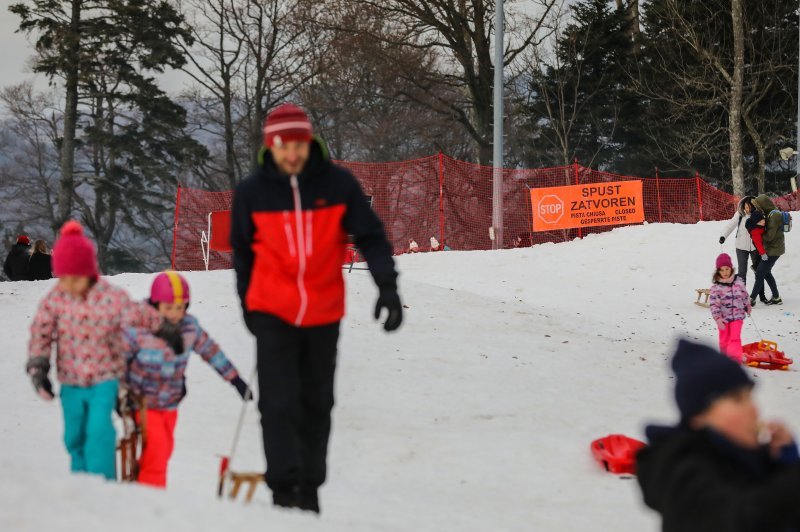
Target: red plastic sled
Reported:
[(617, 453), (765, 355)]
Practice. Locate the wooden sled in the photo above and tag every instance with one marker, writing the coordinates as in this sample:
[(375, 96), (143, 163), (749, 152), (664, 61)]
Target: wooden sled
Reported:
[(251, 480), (131, 444), (701, 292)]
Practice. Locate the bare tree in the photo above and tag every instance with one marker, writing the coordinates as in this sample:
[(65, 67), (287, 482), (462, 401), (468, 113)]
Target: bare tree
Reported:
[(460, 35)]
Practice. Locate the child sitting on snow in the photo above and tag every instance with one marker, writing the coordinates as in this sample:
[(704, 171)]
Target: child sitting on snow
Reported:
[(720, 468), (730, 305), (84, 316), (156, 369)]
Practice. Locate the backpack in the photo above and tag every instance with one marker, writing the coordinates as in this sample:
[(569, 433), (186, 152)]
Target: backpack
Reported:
[(786, 218)]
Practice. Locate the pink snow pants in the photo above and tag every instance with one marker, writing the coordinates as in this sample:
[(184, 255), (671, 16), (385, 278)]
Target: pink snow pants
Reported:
[(730, 340)]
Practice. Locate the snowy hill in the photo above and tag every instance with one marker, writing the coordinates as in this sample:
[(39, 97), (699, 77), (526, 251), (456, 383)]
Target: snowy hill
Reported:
[(476, 416)]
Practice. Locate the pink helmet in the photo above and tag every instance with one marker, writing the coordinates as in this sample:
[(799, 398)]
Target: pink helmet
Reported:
[(169, 287)]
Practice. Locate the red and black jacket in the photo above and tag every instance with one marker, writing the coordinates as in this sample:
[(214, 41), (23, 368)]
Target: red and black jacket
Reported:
[(289, 237)]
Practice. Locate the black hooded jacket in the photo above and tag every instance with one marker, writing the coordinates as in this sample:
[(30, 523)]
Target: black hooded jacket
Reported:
[(16, 265), (40, 267), (700, 482)]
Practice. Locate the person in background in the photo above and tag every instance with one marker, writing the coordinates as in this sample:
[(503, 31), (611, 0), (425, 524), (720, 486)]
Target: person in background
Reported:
[(756, 227), (435, 245), (730, 305), (775, 247), (744, 245), (16, 265), (413, 247), (721, 468), (40, 265)]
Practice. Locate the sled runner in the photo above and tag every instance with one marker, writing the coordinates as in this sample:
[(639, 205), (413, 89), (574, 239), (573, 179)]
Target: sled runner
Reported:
[(765, 355), (617, 453), (700, 293), (132, 441), (251, 480)]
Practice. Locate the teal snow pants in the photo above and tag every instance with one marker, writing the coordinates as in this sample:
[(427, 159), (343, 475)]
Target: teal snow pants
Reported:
[(88, 430)]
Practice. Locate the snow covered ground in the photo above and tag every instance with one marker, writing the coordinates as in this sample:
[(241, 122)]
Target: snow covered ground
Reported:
[(477, 416)]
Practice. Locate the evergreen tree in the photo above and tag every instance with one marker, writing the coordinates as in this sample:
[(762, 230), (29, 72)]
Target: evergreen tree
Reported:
[(129, 135)]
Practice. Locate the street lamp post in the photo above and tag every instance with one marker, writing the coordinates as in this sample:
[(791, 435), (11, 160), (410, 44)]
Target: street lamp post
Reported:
[(497, 158)]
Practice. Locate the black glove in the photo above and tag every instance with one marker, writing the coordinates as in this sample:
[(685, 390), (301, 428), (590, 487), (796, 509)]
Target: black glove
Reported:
[(172, 334), (37, 369), (244, 390), (722, 240), (389, 300)]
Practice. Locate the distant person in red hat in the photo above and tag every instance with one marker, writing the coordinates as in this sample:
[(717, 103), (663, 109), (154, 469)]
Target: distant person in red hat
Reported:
[(16, 265), (289, 233)]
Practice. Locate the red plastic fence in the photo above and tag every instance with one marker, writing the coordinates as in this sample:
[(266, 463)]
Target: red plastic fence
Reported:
[(451, 200)]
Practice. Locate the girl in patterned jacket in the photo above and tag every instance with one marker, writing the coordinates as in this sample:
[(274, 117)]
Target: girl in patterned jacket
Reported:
[(156, 369), (730, 305), (84, 315)]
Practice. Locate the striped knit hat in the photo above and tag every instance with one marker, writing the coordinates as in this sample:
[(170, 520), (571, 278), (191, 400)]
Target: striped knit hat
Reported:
[(287, 123)]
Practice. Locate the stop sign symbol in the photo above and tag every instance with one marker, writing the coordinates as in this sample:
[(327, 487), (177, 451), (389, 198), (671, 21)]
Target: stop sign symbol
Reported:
[(551, 209)]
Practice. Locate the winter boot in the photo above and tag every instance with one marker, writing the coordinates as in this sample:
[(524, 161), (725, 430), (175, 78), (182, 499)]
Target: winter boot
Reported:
[(309, 501), (753, 302), (287, 497), (763, 299), (774, 301)]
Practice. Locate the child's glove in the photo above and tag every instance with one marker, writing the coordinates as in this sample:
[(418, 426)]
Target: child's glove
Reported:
[(172, 334), (37, 369), (244, 390), (721, 324), (764, 257), (722, 240), (389, 300)]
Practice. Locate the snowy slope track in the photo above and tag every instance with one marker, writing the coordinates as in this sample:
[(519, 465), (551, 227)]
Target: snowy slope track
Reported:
[(477, 415)]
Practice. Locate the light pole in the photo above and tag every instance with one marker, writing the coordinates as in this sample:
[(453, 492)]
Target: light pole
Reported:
[(497, 157)]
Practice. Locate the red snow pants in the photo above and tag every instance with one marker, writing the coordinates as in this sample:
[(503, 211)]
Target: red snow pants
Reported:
[(730, 340), (160, 441)]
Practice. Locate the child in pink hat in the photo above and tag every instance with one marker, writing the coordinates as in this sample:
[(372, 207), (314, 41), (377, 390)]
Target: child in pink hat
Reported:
[(730, 305), (84, 316)]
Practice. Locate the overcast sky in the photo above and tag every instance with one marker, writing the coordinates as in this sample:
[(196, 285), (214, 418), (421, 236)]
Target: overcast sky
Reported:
[(16, 50)]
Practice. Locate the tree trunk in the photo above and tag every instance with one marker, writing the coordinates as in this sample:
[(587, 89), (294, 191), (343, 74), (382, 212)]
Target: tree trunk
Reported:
[(761, 152), (635, 28), (230, 146), (736, 96), (67, 162)]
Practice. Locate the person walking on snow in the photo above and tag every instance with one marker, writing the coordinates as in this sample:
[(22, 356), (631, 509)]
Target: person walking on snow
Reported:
[(756, 227), (157, 367), (721, 468), (289, 231), (775, 247), (744, 245), (16, 264), (730, 305), (84, 316)]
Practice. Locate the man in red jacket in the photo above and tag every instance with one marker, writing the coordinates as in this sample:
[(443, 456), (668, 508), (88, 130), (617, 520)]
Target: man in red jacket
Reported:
[(289, 232)]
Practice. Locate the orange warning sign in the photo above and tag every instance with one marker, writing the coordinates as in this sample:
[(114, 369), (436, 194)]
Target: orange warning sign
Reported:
[(616, 203)]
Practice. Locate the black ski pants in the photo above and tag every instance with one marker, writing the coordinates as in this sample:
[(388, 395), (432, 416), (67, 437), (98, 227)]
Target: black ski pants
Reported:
[(764, 273), (296, 368)]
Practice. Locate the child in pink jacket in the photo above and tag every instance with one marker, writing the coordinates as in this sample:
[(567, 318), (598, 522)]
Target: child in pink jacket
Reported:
[(84, 316), (730, 305)]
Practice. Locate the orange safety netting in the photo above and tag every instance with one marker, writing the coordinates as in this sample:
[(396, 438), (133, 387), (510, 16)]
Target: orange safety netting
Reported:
[(451, 200)]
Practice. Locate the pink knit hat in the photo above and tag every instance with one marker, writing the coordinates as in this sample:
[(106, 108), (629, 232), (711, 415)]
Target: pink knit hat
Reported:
[(169, 287), (724, 260), (74, 254)]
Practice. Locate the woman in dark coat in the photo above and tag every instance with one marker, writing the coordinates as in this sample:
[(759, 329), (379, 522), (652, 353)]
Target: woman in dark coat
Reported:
[(40, 266)]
